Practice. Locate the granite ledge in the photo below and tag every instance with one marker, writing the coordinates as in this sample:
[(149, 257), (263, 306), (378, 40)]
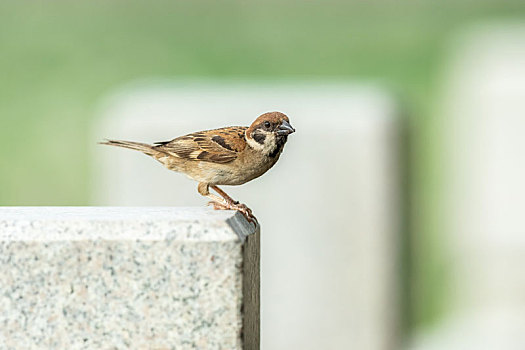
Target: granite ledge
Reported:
[(117, 278), (127, 223)]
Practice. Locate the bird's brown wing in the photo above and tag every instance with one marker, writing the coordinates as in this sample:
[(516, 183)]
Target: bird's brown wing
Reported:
[(217, 146)]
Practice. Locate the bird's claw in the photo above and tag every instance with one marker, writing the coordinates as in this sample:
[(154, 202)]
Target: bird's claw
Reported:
[(242, 208)]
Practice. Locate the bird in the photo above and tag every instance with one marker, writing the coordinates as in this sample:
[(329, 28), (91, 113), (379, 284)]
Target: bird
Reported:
[(228, 156)]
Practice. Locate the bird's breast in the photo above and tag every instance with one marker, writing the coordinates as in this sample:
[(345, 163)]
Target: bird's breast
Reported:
[(248, 166)]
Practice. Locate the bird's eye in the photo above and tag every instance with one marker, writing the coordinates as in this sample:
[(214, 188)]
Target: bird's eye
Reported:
[(267, 125)]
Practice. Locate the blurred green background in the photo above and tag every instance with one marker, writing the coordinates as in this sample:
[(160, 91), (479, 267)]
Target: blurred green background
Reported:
[(59, 59)]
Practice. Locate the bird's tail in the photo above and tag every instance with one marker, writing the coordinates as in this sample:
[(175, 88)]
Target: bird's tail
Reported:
[(137, 146)]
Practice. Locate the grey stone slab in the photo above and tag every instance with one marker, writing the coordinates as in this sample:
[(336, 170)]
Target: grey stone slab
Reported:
[(329, 208), (119, 278)]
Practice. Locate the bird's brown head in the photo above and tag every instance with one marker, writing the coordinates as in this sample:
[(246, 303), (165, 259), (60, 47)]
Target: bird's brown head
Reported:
[(269, 132)]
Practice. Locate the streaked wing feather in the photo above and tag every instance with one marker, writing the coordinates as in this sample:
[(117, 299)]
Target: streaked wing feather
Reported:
[(217, 146)]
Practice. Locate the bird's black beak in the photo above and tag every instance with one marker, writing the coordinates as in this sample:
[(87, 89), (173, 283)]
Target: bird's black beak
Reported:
[(285, 129)]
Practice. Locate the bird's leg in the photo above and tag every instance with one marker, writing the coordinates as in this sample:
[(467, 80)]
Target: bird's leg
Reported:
[(242, 208), (224, 195), (235, 205), (204, 189), (226, 202)]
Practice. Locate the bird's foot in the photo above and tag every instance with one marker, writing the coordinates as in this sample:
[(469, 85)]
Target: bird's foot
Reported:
[(235, 205)]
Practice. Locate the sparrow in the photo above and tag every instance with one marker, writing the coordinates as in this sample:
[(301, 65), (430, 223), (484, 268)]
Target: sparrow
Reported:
[(227, 156)]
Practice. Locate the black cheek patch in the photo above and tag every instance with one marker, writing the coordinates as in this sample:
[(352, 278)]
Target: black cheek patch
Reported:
[(259, 138)]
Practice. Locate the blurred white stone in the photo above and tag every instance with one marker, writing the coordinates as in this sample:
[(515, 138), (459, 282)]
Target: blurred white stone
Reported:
[(485, 191), (329, 209)]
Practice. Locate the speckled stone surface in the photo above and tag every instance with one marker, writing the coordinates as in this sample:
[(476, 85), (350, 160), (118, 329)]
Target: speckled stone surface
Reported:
[(126, 278)]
